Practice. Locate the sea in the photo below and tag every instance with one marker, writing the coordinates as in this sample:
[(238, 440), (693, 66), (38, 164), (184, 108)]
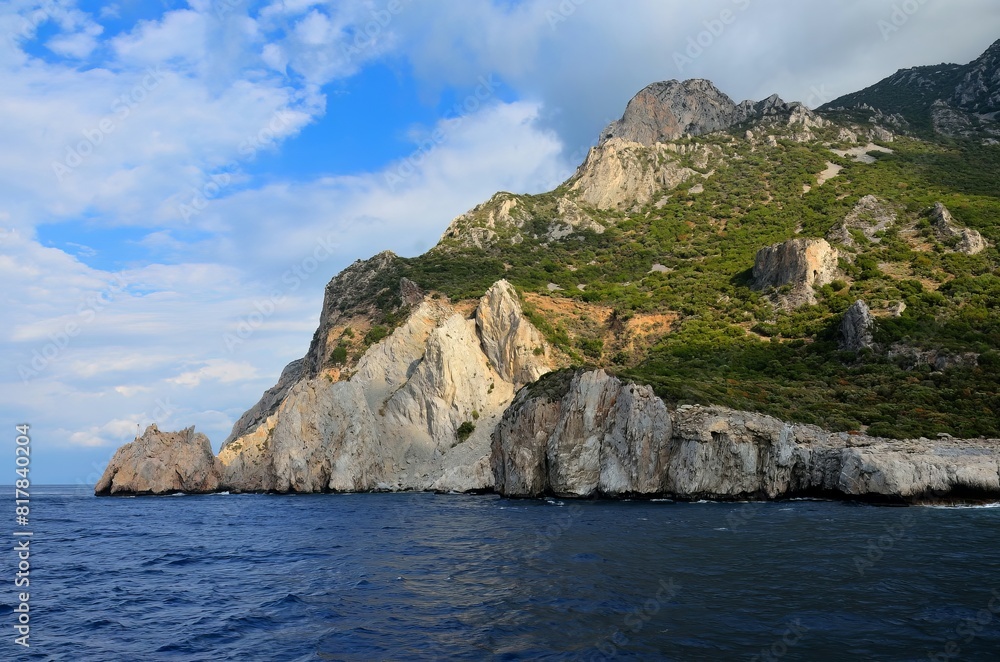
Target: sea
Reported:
[(416, 576)]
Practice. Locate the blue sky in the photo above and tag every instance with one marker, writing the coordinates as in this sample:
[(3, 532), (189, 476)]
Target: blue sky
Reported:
[(166, 165)]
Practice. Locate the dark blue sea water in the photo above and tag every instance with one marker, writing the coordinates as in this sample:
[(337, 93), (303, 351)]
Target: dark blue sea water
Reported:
[(430, 577)]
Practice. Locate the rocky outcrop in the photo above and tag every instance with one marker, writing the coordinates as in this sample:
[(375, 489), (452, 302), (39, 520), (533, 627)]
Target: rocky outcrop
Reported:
[(618, 174), (856, 328), (869, 216), (581, 434), (511, 343), (949, 121), (939, 359), (589, 434), (416, 413), (499, 218), (668, 110), (793, 268), (963, 240), (162, 463)]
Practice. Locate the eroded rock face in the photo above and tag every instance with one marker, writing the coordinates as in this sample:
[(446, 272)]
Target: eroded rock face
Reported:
[(323, 439), (965, 240), (619, 173), (162, 463), (397, 422), (511, 343), (588, 434), (856, 328), (581, 434), (799, 263), (668, 110)]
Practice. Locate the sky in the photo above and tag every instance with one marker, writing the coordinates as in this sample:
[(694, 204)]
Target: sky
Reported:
[(179, 180)]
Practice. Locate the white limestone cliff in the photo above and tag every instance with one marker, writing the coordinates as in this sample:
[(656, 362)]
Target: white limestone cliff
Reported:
[(588, 434), (397, 422)]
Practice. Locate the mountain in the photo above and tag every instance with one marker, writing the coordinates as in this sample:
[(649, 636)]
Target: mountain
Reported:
[(669, 110), (947, 99), (748, 299)]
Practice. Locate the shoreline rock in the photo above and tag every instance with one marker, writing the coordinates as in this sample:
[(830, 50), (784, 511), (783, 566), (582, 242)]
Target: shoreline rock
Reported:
[(591, 435), (162, 463)]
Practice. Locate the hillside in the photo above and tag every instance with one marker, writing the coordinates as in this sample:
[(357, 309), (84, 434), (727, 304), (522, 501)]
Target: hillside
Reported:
[(933, 101), (642, 262), (747, 300)]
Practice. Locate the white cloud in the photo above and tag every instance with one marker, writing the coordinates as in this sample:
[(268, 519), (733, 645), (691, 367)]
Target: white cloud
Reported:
[(218, 370), (179, 35), (99, 435), (132, 390), (77, 45)]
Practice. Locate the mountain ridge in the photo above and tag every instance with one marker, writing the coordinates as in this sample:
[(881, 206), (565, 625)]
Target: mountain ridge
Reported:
[(948, 99), (758, 256)]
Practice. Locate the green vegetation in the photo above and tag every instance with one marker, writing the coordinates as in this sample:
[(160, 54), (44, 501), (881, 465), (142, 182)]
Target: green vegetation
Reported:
[(814, 383), (376, 333), (730, 345), (464, 430), (339, 355)]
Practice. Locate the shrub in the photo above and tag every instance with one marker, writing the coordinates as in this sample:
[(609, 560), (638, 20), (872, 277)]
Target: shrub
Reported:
[(339, 355), (464, 430), (375, 334)]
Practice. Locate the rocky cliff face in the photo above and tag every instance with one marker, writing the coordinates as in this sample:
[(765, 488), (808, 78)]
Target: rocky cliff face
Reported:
[(964, 240), (856, 328), (799, 264), (162, 463), (668, 110), (588, 434), (582, 434), (416, 414), (619, 174)]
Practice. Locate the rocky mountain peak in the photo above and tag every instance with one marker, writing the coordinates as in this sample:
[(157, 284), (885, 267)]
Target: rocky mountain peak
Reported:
[(667, 110)]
